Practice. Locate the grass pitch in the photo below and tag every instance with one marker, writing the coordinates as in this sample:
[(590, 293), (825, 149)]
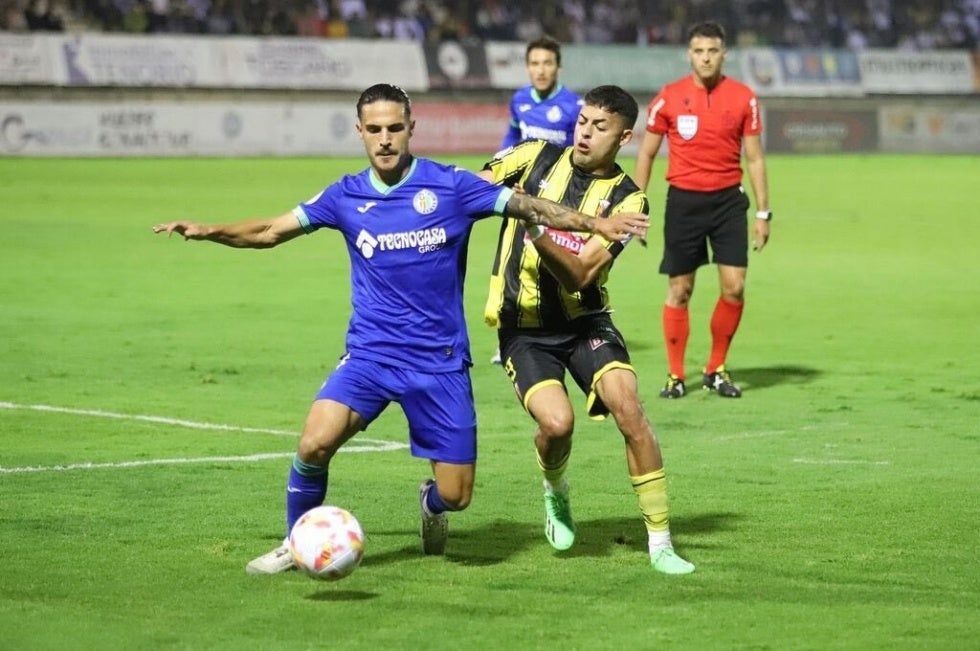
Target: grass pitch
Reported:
[(150, 392)]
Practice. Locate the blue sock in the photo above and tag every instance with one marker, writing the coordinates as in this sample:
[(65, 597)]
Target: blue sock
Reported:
[(306, 489), (433, 502)]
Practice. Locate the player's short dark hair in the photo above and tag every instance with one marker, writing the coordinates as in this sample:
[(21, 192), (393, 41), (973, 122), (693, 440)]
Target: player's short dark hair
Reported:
[(707, 29), (614, 99), (384, 93), (544, 43)]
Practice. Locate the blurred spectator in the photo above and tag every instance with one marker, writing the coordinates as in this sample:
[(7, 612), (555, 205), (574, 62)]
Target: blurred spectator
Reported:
[(136, 20), (361, 26), (528, 26), (336, 25), (220, 19), (40, 17), (494, 21), (12, 17), (159, 10), (310, 20), (447, 25)]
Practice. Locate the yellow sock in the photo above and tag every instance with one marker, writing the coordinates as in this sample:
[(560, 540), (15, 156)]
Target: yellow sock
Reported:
[(651, 491), (554, 476)]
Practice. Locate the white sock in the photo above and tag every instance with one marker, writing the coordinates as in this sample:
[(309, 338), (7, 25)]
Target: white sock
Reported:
[(561, 487), (659, 540)]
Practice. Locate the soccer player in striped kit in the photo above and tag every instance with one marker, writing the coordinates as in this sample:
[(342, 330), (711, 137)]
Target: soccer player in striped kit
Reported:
[(707, 119), (549, 302)]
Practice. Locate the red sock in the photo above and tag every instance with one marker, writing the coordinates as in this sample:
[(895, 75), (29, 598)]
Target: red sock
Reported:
[(677, 327), (724, 323)]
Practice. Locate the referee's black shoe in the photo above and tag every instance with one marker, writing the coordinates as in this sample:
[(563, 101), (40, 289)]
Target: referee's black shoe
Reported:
[(721, 382), (674, 388)]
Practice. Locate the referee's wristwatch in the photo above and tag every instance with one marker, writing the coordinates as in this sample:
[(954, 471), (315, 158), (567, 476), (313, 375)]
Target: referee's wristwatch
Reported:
[(764, 214)]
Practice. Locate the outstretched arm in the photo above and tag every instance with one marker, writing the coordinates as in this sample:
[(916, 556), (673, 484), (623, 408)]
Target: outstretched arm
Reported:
[(535, 211), (248, 234)]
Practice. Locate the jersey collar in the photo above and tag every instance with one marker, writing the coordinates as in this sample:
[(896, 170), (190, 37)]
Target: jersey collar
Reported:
[(383, 187), (537, 98)]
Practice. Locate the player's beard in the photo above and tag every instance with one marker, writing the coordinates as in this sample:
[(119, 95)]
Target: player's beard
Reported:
[(391, 161)]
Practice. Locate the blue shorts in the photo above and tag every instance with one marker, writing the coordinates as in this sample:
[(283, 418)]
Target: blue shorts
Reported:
[(439, 406)]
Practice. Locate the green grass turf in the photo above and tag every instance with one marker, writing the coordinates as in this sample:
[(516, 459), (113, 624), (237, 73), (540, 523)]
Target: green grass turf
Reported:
[(834, 506)]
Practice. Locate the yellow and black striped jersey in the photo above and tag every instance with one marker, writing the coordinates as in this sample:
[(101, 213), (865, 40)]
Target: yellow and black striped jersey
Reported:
[(523, 293)]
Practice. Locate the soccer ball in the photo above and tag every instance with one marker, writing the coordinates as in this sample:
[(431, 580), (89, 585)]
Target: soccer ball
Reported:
[(327, 543)]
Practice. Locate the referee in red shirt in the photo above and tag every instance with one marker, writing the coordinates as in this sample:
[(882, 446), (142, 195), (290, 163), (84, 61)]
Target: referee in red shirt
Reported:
[(707, 119)]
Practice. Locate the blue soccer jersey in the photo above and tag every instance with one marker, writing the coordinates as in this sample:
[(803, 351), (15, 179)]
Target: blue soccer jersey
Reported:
[(407, 245), (550, 118)]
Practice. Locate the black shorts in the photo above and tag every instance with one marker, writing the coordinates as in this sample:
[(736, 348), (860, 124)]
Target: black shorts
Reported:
[(693, 220), (537, 358)]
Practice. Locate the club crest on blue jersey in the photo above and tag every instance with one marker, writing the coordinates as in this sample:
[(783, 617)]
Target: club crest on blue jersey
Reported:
[(554, 114), (425, 201)]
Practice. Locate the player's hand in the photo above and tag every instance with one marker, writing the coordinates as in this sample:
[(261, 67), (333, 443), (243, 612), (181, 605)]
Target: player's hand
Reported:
[(605, 207), (189, 230), (760, 234), (622, 226)]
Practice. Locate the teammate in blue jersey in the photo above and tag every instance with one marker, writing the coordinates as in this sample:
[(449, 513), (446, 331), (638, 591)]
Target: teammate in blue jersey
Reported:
[(406, 222), (544, 109)]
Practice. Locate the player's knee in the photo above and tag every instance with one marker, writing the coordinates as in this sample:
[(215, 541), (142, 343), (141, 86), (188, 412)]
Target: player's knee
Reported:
[(733, 293), (679, 294), (311, 451), (555, 424)]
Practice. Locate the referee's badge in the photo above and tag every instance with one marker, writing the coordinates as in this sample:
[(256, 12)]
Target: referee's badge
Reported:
[(687, 126)]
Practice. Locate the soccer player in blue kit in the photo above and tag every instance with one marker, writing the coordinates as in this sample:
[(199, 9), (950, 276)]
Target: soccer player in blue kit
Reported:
[(544, 109), (406, 222)]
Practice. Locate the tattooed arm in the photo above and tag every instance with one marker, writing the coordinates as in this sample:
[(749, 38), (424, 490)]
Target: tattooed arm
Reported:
[(535, 211)]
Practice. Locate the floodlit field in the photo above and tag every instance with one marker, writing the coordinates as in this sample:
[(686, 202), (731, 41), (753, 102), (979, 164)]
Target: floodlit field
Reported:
[(151, 391)]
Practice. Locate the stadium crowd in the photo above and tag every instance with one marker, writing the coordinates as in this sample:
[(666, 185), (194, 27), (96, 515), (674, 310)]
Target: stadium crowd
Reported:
[(906, 24)]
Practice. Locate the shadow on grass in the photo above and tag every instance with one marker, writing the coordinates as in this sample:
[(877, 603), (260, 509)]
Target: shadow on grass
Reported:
[(342, 595), (498, 541), (769, 376)]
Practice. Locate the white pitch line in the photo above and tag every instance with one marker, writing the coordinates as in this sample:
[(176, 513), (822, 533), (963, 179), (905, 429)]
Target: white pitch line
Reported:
[(145, 462), (355, 445), (842, 462), (739, 436), (149, 419)]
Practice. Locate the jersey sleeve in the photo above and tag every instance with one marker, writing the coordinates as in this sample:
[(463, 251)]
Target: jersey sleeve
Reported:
[(513, 134), (512, 137), (510, 166), (657, 118), (319, 211), (480, 198), (752, 123)]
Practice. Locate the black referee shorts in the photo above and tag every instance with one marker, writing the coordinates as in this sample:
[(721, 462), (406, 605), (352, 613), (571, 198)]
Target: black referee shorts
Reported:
[(695, 220)]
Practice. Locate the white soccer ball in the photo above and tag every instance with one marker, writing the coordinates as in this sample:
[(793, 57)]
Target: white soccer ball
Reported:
[(327, 543)]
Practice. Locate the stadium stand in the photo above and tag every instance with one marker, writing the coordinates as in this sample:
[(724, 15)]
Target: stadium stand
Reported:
[(901, 24)]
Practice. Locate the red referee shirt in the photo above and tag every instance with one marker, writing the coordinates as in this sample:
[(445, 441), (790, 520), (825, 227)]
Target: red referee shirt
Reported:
[(704, 131)]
